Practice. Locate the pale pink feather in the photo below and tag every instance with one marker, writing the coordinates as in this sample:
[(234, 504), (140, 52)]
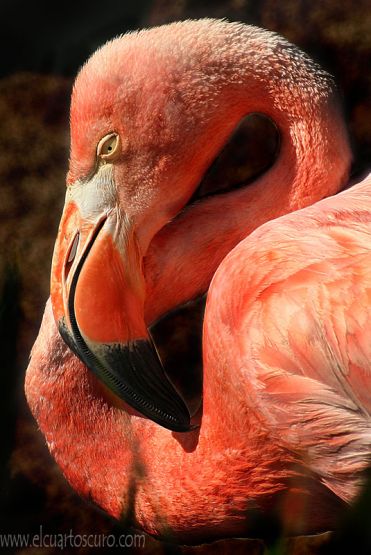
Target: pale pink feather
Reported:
[(296, 299)]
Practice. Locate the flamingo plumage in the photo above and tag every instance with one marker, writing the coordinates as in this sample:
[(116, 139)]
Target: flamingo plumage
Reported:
[(285, 416)]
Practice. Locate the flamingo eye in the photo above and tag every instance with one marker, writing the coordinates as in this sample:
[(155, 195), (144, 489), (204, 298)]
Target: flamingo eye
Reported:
[(250, 151), (108, 147)]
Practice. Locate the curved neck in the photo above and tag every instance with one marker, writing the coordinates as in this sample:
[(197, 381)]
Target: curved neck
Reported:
[(313, 163)]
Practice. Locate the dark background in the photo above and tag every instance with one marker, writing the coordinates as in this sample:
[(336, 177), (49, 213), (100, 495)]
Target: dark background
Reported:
[(42, 45)]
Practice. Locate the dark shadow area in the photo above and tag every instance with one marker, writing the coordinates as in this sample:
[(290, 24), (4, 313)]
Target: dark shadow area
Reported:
[(58, 37), (354, 530), (178, 338), (9, 322)]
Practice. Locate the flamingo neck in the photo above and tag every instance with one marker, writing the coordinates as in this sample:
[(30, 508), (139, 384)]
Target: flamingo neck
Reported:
[(257, 72), (313, 163)]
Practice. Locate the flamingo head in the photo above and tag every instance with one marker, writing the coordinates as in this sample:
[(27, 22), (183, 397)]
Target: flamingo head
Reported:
[(150, 114)]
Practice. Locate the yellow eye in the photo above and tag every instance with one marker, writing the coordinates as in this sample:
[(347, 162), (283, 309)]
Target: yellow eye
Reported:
[(108, 147)]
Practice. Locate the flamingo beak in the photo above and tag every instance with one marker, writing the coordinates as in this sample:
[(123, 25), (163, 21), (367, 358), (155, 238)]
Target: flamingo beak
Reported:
[(97, 292)]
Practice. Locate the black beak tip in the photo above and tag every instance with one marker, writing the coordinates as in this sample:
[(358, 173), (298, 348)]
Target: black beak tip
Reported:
[(135, 374)]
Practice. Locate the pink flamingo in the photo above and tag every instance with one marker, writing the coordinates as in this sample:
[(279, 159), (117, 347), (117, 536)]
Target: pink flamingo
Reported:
[(285, 418)]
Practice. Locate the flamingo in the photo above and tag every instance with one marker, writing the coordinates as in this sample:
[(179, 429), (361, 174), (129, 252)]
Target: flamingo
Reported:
[(284, 423)]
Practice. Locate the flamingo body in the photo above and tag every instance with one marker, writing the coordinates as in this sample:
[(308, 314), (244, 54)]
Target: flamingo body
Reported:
[(285, 418), (300, 327)]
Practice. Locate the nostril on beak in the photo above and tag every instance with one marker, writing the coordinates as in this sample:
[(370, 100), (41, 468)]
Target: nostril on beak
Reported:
[(71, 254)]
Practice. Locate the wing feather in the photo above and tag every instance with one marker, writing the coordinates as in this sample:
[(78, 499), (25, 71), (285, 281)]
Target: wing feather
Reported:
[(304, 333)]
